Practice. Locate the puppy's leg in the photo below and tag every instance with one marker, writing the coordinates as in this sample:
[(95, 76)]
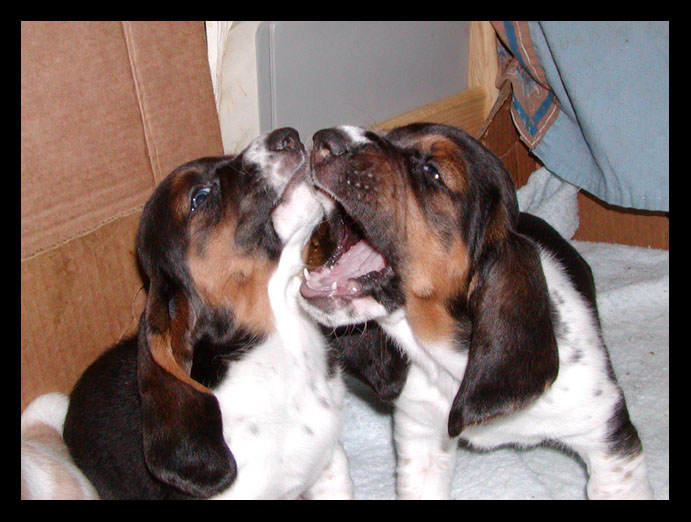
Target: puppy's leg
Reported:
[(615, 461), (426, 455), (334, 483), (614, 477)]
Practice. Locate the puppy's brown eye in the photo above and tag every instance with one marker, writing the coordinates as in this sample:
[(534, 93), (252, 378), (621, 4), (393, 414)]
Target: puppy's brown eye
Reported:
[(198, 197)]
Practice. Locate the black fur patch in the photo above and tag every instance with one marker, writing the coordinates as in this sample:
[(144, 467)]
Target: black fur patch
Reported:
[(368, 353)]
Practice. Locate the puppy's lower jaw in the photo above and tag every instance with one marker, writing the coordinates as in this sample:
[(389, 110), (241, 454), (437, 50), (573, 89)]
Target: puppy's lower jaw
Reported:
[(334, 311)]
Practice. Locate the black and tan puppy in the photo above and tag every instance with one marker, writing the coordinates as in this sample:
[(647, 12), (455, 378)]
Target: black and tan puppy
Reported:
[(494, 311), (227, 390)]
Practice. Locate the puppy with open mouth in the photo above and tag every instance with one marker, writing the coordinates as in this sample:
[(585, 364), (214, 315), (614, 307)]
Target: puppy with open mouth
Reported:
[(490, 316)]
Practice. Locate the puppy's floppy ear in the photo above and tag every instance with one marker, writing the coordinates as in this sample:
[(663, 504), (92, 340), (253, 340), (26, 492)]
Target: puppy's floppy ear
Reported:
[(513, 353), (182, 426)]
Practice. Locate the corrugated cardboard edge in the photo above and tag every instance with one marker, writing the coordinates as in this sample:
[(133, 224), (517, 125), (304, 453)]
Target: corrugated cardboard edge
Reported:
[(148, 134), (136, 210), (77, 299), (157, 42)]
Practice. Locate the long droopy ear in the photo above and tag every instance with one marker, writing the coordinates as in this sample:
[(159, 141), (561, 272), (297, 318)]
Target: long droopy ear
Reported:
[(183, 431), (513, 353)]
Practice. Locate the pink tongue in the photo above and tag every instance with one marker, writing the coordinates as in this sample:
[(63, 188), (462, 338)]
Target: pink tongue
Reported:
[(359, 260)]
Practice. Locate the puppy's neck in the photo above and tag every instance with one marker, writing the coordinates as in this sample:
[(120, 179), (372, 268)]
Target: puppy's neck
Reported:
[(290, 321)]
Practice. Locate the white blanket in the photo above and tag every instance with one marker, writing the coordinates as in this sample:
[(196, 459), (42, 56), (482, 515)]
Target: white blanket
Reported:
[(633, 297)]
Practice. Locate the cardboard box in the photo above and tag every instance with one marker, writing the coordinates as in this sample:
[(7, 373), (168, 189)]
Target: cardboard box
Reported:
[(107, 110)]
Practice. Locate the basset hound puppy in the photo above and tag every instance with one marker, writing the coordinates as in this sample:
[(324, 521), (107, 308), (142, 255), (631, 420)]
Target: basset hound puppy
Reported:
[(492, 314), (228, 390)]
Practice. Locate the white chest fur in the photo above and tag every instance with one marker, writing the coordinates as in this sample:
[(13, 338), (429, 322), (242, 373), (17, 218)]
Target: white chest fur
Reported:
[(280, 420), (280, 408), (438, 370), (576, 410)]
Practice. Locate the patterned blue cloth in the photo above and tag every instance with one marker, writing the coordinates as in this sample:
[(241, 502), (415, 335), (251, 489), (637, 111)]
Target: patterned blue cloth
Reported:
[(607, 87)]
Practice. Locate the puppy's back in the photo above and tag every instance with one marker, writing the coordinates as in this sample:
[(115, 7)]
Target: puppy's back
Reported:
[(103, 428), (576, 267)]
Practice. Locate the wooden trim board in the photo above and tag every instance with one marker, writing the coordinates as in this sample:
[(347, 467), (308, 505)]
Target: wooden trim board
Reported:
[(483, 65), (465, 110)]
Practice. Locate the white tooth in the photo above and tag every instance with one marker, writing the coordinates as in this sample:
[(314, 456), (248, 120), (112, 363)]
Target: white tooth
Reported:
[(334, 286), (353, 286), (307, 275)]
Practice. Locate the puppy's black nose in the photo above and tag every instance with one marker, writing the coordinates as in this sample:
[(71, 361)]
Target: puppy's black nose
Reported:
[(282, 139), (329, 142)]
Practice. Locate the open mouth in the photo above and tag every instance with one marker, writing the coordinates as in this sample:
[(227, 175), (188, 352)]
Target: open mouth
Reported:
[(353, 268)]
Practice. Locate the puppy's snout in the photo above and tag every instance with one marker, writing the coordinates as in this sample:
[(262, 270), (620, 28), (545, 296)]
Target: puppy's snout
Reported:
[(329, 142), (286, 138)]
